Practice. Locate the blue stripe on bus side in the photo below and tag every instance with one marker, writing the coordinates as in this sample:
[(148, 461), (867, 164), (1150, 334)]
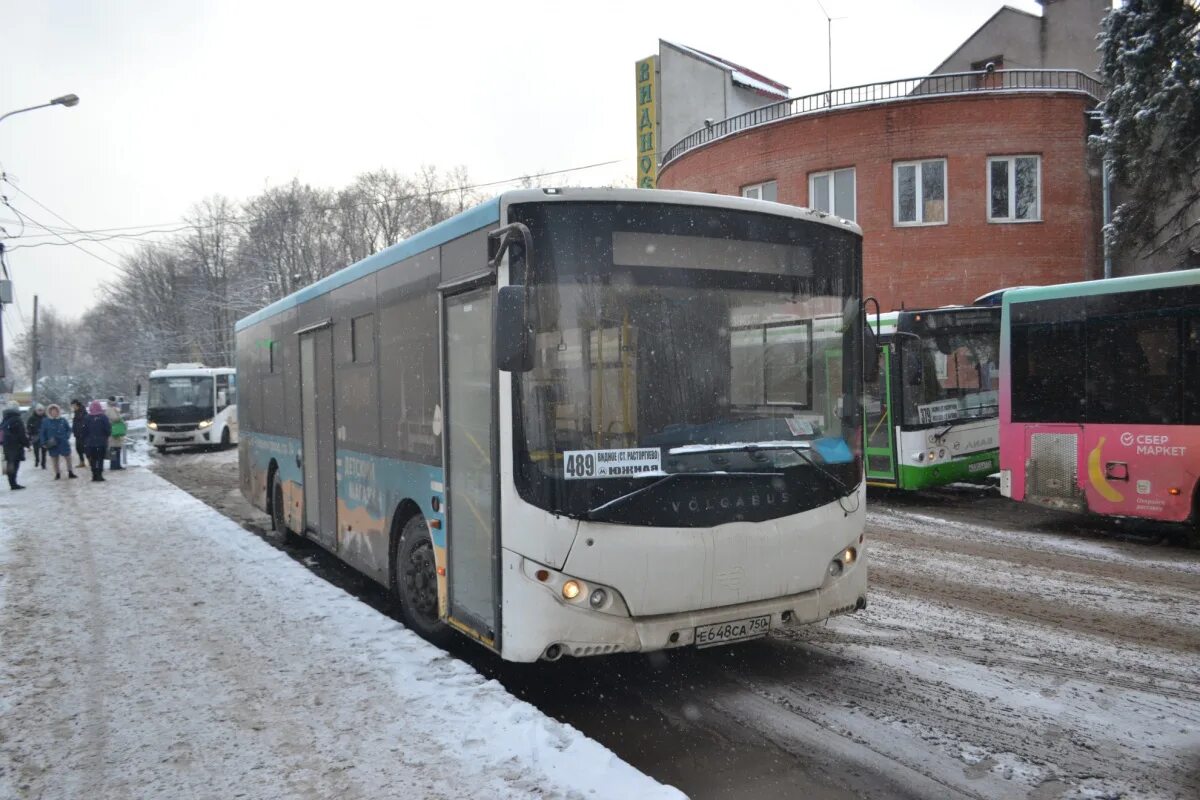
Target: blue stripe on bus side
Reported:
[(377, 485), (486, 213)]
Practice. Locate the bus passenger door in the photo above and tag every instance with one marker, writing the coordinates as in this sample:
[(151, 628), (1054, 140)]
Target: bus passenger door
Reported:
[(469, 459), (317, 441), (880, 447)]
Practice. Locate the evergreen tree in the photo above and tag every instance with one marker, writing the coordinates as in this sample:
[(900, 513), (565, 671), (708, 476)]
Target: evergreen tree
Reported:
[(1150, 60)]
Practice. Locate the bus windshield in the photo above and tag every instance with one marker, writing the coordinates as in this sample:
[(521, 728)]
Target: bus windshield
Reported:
[(951, 375), (732, 354), (181, 392)]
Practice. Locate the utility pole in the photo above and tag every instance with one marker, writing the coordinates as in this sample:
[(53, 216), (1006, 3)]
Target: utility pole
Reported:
[(33, 386)]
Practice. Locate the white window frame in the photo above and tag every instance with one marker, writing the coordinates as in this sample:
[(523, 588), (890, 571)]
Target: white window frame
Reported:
[(919, 164), (830, 175), (1012, 188), (754, 191)]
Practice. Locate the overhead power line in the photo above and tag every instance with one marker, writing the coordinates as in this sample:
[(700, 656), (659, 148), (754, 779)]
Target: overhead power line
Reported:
[(183, 224)]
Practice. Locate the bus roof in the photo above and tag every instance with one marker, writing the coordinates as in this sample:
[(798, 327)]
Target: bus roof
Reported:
[(188, 372), (1131, 283), (488, 213)]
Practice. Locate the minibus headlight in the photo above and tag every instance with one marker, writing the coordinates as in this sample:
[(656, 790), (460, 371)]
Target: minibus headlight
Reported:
[(205, 423), (152, 426), (571, 589)]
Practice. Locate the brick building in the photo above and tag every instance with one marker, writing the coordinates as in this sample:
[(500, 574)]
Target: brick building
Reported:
[(963, 182)]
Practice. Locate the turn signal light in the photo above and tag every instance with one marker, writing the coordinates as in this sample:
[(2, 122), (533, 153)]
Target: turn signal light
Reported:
[(1173, 491), (571, 590), (542, 575)]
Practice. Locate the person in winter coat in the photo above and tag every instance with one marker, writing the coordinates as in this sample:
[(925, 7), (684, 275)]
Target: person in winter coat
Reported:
[(12, 430), (56, 440), (78, 417), (115, 440), (32, 426), (96, 430)]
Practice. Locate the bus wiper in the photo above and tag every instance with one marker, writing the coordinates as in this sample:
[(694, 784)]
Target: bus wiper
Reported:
[(798, 448), (621, 500)]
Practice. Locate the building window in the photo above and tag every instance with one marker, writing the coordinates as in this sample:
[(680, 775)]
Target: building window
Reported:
[(920, 192), (362, 339), (833, 192), (1015, 189), (760, 191)]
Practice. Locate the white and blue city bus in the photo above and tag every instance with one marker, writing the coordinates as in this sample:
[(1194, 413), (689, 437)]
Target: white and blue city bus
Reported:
[(576, 422)]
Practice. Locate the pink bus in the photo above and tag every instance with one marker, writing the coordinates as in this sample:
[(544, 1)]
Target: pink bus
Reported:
[(1100, 396)]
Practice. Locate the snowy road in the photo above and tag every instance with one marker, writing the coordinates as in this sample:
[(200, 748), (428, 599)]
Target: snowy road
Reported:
[(1006, 653), (151, 648)]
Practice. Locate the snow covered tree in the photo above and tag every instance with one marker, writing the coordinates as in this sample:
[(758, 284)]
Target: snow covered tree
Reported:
[(1150, 59)]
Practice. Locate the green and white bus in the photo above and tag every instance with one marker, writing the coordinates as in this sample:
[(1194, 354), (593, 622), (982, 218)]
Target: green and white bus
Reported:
[(932, 410)]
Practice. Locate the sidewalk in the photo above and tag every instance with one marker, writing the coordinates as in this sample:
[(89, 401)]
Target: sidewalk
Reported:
[(151, 648)]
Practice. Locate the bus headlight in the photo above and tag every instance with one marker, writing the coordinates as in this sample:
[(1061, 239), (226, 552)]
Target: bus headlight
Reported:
[(841, 561), (598, 598), (204, 423), (152, 426), (571, 589)]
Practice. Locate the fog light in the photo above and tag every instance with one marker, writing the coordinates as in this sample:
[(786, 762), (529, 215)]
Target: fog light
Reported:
[(835, 568), (598, 598), (571, 590), (848, 556)]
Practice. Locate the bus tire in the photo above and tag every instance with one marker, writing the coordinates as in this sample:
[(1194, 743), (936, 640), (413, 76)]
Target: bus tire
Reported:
[(414, 574), (278, 522)]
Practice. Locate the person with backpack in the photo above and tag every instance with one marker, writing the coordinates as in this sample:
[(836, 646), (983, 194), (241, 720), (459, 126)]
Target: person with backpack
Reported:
[(117, 438), (96, 432), (55, 436), (33, 426), (14, 440), (78, 418)]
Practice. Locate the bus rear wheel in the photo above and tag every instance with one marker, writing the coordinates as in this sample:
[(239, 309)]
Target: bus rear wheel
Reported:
[(415, 575), (278, 520)]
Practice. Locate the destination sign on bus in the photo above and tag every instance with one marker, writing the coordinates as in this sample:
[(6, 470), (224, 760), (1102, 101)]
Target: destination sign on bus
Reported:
[(633, 462)]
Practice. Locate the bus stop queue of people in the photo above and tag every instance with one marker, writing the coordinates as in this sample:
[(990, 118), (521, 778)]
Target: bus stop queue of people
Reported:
[(99, 434)]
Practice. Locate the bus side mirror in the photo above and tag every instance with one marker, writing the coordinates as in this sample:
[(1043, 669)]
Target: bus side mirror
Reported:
[(514, 337)]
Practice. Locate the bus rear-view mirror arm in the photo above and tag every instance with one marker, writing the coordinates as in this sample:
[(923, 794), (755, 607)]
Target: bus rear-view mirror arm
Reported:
[(514, 331), (870, 342)]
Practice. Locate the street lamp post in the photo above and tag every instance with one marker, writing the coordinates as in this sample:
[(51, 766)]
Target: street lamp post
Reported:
[(67, 100)]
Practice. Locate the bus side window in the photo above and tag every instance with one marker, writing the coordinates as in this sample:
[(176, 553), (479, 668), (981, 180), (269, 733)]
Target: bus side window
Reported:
[(222, 392)]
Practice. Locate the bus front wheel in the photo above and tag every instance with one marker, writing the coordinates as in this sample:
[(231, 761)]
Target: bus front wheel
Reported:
[(415, 576)]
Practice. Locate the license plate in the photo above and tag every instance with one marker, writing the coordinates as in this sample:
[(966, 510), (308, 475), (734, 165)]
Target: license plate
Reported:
[(179, 438), (980, 466), (725, 632)]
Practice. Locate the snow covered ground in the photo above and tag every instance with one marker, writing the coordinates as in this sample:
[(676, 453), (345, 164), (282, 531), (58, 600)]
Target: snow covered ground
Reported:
[(1006, 653), (150, 647)]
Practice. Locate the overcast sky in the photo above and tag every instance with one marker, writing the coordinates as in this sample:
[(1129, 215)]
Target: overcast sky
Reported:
[(183, 100)]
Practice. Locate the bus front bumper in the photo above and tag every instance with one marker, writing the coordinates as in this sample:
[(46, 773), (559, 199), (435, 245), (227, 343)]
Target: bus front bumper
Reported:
[(180, 438), (545, 626)]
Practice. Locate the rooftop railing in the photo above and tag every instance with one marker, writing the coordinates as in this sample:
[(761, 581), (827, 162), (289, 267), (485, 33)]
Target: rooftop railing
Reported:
[(953, 83)]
